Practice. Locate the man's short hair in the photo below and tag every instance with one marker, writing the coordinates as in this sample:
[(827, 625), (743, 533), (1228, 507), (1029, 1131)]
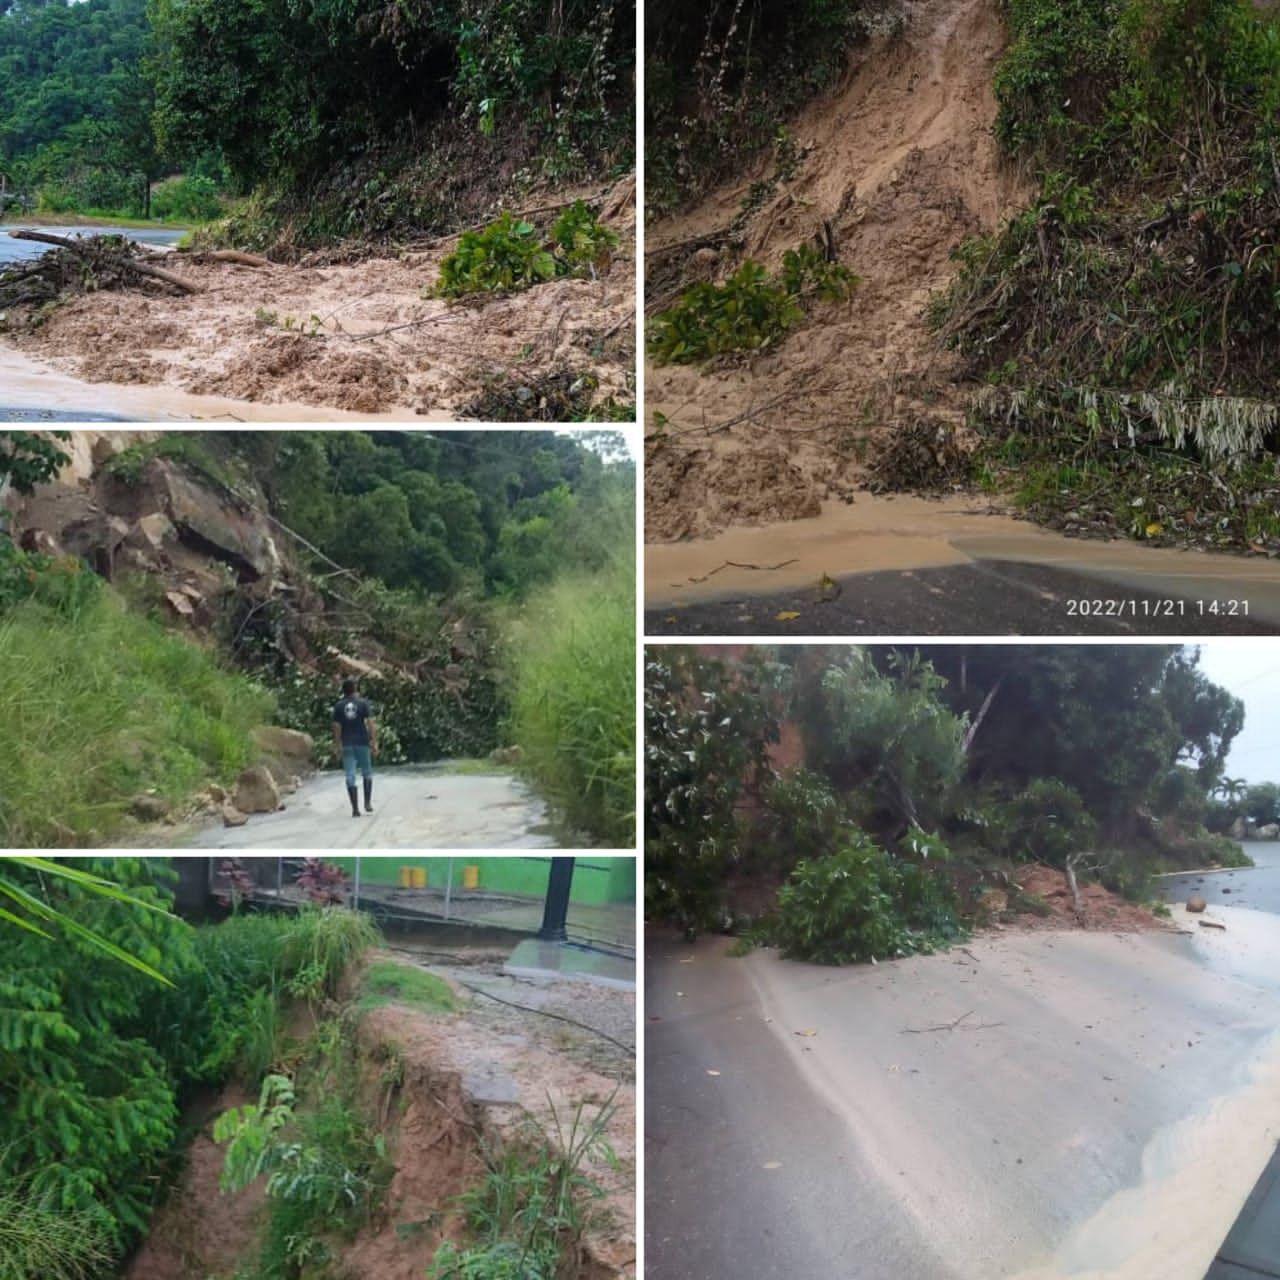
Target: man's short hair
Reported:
[(348, 686)]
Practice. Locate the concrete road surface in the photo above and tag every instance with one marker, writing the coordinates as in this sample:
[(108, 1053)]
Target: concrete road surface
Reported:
[(414, 808), (1039, 1105)]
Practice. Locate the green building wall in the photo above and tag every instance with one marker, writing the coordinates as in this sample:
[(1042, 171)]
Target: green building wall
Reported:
[(596, 881)]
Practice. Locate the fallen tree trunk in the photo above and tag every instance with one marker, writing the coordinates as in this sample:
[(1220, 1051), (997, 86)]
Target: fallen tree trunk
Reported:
[(126, 263)]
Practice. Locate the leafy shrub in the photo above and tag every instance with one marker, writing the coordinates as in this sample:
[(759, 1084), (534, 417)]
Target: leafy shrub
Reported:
[(582, 242), (802, 819), (707, 730), (186, 199), (858, 904), (749, 311), (506, 255), (1044, 822), (746, 313)]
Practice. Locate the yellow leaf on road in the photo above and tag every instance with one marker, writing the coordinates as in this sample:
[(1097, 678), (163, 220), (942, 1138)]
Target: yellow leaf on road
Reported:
[(806, 1033), (772, 1164), (713, 1073), (787, 615)]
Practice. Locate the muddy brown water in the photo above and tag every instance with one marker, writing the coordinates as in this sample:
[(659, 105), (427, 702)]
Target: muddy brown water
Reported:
[(38, 390), (908, 534)]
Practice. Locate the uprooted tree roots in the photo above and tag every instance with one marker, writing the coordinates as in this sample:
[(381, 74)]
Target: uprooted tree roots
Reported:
[(83, 266)]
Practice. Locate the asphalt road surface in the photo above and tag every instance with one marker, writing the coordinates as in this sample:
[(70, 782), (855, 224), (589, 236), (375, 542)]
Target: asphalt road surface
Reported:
[(414, 808), (986, 597), (1257, 886), (1037, 1105)]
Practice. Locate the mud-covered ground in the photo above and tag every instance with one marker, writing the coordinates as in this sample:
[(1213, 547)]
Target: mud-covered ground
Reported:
[(900, 163), (360, 336)]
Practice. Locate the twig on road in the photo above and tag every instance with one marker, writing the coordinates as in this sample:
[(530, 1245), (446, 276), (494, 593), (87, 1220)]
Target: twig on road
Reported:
[(738, 564), (951, 1026)]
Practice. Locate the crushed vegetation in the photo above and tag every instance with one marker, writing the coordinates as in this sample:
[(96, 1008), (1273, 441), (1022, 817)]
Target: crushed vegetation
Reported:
[(860, 805), (1125, 322)]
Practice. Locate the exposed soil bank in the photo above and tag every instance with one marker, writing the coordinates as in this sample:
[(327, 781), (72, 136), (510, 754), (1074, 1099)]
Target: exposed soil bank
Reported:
[(902, 167), (442, 1089), (358, 338)]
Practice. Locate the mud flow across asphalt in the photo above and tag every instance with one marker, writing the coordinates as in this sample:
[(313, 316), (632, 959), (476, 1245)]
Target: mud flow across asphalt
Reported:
[(1035, 1106)]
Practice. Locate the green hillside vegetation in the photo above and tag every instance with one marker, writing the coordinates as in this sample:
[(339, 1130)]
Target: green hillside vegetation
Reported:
[(722, 80), (927, 777), (344, 119), (1125, 323)]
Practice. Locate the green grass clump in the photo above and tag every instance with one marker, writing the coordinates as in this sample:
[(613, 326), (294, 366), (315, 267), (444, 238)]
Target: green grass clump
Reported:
[(100, 704), (509, 254), (572, 655), (387, 982), (41, 1238)]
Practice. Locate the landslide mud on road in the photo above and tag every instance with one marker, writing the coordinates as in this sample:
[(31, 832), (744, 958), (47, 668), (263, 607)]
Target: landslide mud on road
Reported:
[(902, 163), (1034, 1105), (356, 336)]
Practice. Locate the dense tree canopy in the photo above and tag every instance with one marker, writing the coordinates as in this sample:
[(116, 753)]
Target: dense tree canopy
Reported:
[(98, 99)]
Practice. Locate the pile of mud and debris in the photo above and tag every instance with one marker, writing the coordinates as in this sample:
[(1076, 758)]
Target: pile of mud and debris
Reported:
[(366, 336), (899, 167), (449, 1094), (1040, 898)]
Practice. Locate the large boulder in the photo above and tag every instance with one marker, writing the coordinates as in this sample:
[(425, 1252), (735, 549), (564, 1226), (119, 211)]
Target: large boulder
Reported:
[(215, 525), (1196, 904), (256, 791), (1270, 832), (288, 744)]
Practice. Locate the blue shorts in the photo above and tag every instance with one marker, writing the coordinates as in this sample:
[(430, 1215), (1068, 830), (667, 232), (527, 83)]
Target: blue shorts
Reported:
[(357, 758)]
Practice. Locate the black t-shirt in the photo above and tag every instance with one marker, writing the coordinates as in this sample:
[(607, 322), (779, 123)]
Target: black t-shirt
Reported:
[(352, 713)]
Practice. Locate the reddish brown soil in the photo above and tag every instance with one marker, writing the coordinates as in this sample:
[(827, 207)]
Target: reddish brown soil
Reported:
[(200, 1231), (1100, 908)]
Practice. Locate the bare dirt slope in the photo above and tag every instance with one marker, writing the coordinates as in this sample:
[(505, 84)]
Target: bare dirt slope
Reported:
[(901, 163), (357, 336)]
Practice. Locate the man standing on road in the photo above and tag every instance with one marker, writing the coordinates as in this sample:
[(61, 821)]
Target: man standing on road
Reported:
[(355, 740)]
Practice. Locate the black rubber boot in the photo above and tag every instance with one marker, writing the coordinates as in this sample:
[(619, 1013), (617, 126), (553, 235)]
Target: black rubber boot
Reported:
[(355, 802), (368, 795)]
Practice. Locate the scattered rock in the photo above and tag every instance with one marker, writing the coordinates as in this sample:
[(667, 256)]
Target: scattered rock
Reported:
[(148, 808), (151, 533), (1226, 891), (256, 791), (179, 603), (290, 743), (1196, 904), (231, 816), (215, 791)]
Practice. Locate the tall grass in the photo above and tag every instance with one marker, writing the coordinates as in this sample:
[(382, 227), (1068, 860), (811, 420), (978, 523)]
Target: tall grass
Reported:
[(41, 1238), (99, 704), (572, 657)]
